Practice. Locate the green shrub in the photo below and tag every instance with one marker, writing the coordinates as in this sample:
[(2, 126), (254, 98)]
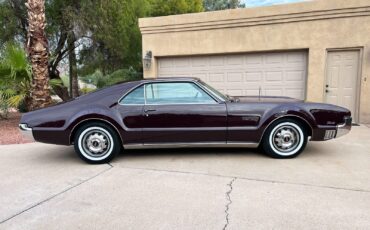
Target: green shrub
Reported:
[(86, 90), (15, 77), (121, 75)]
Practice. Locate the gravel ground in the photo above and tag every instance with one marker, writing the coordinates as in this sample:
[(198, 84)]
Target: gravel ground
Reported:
[(10, 133)]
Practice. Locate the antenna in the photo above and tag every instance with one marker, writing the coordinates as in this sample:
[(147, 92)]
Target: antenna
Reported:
[(259, 93)]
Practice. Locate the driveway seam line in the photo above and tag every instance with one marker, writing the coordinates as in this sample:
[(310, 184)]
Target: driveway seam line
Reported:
[(55, 195), (227, 207), (251, 179)]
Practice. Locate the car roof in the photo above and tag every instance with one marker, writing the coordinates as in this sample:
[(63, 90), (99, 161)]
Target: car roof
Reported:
[(161, 79), (170, 79)]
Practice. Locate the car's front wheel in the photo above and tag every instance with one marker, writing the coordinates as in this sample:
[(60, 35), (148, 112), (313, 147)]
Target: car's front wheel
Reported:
[(285, 138), (96, 143)]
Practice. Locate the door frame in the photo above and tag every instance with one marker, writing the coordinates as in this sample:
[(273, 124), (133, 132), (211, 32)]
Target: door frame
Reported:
[(356, 116)]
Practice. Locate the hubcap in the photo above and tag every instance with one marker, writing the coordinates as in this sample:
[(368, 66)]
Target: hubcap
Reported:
[(286, 138), (96, 143)]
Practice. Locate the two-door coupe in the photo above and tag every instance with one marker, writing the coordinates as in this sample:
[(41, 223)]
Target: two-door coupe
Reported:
[(182, 112)]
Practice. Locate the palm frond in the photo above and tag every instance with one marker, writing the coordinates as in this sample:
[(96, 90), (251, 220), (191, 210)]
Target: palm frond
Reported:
[(9, 92), (16, 100), (15, 57), (55, 82)]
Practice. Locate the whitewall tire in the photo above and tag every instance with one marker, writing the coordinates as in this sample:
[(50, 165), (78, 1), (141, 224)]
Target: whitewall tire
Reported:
[(96, 143), (285, 138)]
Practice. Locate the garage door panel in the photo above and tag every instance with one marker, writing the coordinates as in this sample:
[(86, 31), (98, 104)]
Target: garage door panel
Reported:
[(166, 64), (200, 75), (199, 62), (181, 62), (216, 77), (274, 76), (298, 58), (273, 92), (252, 92), (217, 61), (235, 77), (235, 91), (277, 74), (295, 75), (235, 60), (254, 76), (295, 93), (253, 60)]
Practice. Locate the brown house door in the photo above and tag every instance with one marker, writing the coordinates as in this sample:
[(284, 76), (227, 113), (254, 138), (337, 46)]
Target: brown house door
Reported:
[(342, 76)]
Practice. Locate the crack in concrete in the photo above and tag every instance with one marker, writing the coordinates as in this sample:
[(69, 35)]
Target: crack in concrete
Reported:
[(227, 207), (251, 179), (54, 196)]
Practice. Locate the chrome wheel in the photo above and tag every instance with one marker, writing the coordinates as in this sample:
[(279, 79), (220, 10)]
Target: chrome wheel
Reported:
[(95, 143), (286, 139)]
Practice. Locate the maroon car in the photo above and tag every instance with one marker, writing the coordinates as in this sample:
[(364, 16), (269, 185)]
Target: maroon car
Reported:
[(182, 112)]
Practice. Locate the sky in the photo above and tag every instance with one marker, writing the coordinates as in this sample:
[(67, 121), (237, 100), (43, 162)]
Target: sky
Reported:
[(253, 3)]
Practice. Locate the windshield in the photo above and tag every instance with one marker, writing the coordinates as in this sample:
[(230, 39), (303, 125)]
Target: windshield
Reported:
[(214, 91)]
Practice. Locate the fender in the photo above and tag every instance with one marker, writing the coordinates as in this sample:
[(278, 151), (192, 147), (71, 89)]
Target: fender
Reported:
[(97, 112), (282, 111)]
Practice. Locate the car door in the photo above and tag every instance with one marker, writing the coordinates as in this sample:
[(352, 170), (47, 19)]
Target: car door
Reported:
[(131, 111), (182, 112)]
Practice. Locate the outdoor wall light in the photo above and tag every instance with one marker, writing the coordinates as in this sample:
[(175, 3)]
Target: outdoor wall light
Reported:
[(147, 60)]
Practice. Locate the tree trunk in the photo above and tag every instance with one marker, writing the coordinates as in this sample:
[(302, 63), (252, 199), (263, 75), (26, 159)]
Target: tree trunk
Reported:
[(38, 53), (73, 77)]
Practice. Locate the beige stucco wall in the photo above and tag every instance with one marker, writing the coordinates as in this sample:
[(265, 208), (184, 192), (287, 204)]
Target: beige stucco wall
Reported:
[(317, 26)]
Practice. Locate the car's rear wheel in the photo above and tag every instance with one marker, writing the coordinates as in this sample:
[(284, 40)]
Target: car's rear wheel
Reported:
[(285, 138), (97, 143)]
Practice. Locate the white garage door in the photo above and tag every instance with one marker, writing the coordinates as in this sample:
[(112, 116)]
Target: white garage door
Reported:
[(278, 74)]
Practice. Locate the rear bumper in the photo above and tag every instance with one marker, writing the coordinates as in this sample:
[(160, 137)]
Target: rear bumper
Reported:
[(26, 132)]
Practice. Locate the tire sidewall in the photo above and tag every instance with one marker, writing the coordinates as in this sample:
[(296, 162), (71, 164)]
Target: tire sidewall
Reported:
[(115, 143), (268, 146)]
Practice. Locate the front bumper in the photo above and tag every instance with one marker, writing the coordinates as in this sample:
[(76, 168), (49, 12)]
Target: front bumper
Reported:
[(344, 128), (26, 132), (339, 130)]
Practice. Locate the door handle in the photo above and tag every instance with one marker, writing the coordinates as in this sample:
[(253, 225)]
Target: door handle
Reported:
[(146, 111), (326, 91)]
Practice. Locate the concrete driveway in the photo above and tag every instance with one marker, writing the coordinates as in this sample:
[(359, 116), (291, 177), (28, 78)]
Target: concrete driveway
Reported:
[(48, 187)]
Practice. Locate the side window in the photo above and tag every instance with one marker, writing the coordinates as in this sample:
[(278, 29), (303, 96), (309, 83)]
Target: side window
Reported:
[(136, 97), (176, 93)]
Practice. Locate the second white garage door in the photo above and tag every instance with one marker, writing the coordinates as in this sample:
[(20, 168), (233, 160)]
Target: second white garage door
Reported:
[(278, 74)]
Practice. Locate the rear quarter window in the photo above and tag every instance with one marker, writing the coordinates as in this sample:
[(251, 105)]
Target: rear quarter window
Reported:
[(135, 97)]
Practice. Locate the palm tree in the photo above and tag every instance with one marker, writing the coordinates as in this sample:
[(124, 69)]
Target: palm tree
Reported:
[(15, 78), (37, 49)]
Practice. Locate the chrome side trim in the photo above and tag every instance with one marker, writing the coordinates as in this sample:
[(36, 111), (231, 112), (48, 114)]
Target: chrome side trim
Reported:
[(26, 132), (24, 127), (186, 129), (287, 115), (244, 115), (193, 145), (242, 128)]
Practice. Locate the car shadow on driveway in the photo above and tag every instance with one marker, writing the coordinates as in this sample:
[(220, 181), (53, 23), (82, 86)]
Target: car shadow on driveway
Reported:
[(66, 154), (190, 152)]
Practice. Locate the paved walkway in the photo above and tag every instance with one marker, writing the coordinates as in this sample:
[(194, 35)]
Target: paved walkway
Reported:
[(48, 187)]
